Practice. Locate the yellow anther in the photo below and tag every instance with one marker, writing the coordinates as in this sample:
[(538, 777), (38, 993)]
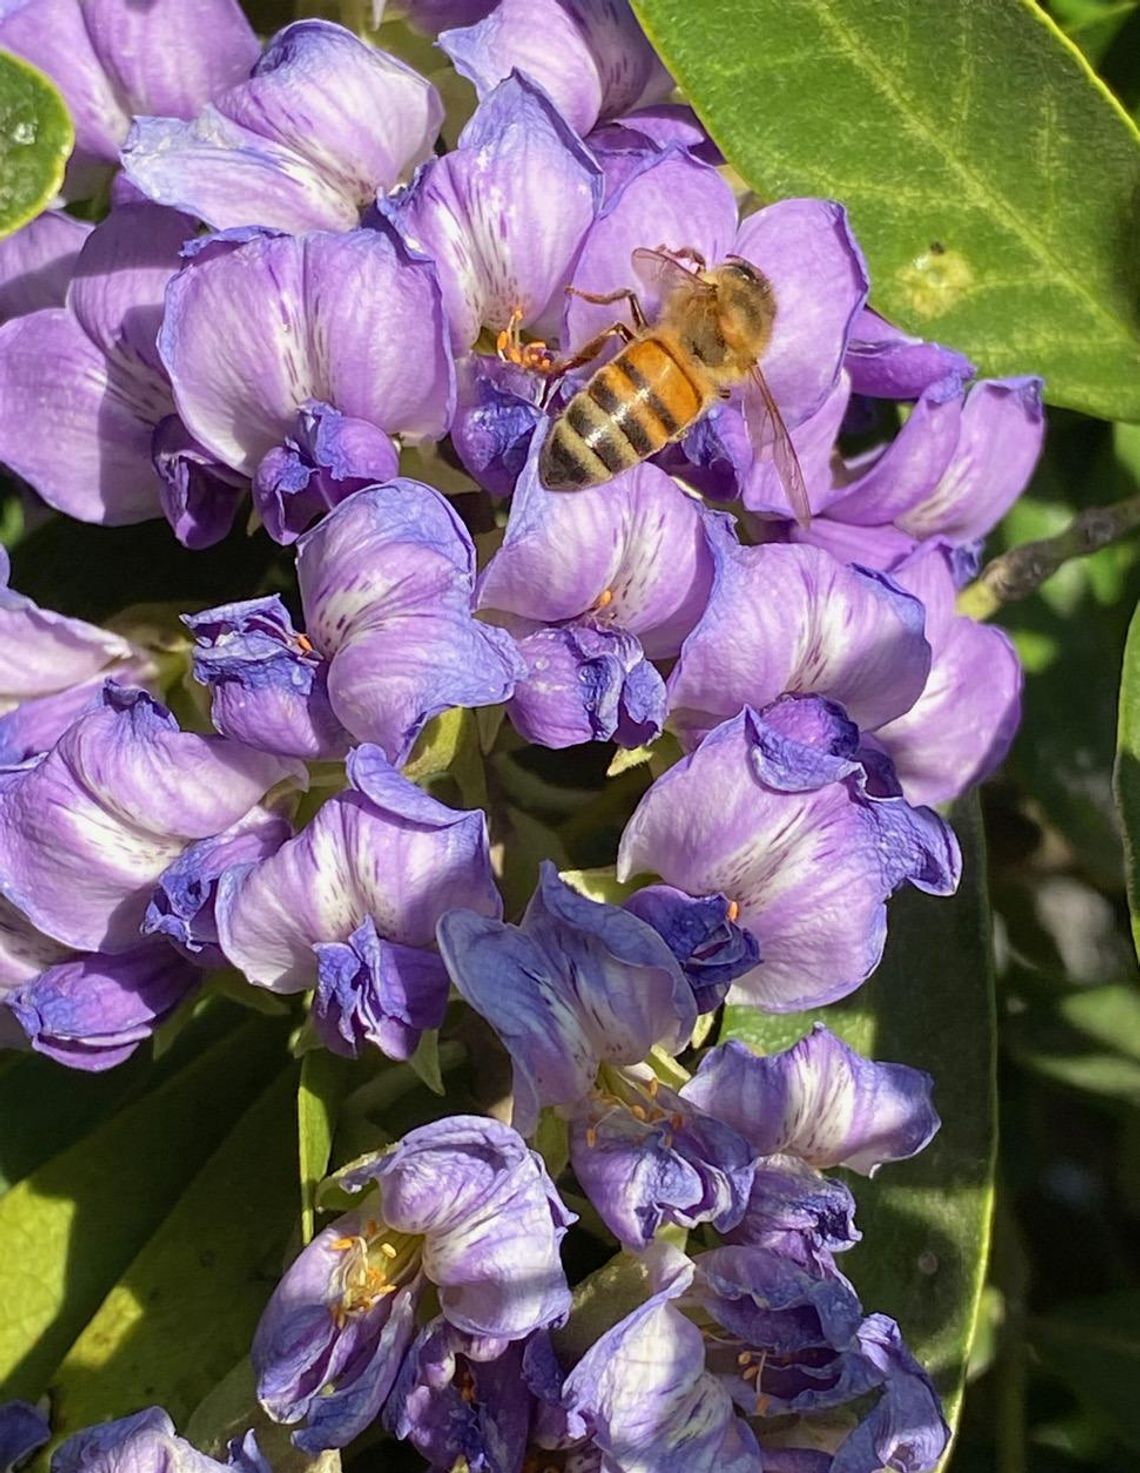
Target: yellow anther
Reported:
[(604, 599), (388, 1251), (639, 1112), (652, 1086), (305, 644), (591, 1136), (733, 911), (744, 1358)]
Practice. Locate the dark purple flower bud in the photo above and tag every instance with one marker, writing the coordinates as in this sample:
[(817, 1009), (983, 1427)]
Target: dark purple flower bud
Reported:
[(703, 935), (325, 460), (497, 409), (370, 990), (269, 687), (586, 684), (199, 495), (797, 1212)]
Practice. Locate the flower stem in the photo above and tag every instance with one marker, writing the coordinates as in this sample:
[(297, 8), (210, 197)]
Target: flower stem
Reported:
[(1022, 570)]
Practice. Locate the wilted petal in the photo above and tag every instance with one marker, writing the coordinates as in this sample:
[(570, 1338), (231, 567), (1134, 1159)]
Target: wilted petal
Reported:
[(577, 985), (503, 214), (674, 201), (269, 688), (961, 727), (646, 1396), (182, 906), (796, 1211), (491, 1220), (788, 832), (93, 1012), (906, 1429), (87, 830), (36, 262), (384, 849), (374, 991), (1003, 425), (785, 619), (885, 363), (585, 684), (253, 335), (818, 1100), (806, 249)]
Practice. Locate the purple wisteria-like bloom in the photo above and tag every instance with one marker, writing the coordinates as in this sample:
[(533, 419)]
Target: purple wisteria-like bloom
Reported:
[(779, 813), (261, 335), (386, 587), (350, 907), (590, 58), (504, 213), (323, 124), (111, 60), (88, 828), (462, 1205), (148, 1440)]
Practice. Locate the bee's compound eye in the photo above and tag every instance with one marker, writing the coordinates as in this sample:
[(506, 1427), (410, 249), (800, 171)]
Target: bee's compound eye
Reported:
[(744, 269)]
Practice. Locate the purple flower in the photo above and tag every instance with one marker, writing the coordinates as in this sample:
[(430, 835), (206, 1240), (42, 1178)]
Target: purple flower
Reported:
[(199, 496), (792, 619), (906, 1429), (778, 813), (797, 1212), (591, 584), (147, 1440), (579, 984), (81, 387), (350, 907), (23, 1429), (883, 362), (269, 686), (323, 124), (586, 684), (386, 585), (111, 60), (86, 830), (93, 1010), (328, 457), (37, 262), (182, 905), (960, 728), (503, 214), (818, 1100), (257, 333), (645, 1395), (51, 669), (461, 1204), (591, 58)]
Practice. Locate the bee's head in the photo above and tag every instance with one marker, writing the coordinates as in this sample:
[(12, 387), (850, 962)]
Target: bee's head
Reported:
[(746, 304)]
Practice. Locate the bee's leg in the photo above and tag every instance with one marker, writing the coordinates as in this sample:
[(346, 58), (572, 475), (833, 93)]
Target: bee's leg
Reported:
[(562, 366), (603, 299)]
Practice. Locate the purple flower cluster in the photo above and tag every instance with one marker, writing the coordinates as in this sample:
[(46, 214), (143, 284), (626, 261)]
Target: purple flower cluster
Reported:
[(296, 291)]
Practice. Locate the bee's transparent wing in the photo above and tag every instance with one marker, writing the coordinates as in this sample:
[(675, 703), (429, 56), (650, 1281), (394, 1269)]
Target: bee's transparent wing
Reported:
[(767, 431), (664, 274)]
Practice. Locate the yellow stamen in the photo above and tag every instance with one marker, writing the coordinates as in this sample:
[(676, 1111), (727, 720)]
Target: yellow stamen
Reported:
[(305, 644), (604, 599), (733, 911), (388, 1251), (591, 1136)]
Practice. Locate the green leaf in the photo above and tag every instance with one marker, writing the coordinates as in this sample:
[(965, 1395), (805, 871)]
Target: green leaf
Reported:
[(1087, 1038), (926, 1222), (1093, 1345), (35, 140), (185, 1310), (1126, 776), (73, 1226), (992, 179)]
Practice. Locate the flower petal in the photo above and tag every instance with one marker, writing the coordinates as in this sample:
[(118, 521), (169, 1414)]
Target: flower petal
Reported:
[(503, 214), (885, 363), (384, 849), (806, 249), (818, 1100), (36, 263), (792, 619), (248, 340)]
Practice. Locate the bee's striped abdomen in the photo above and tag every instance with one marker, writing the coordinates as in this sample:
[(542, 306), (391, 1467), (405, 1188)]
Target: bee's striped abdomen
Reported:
[(630, 409)]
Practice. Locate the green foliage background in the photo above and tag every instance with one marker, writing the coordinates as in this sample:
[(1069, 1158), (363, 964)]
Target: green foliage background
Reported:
[(988, 152)]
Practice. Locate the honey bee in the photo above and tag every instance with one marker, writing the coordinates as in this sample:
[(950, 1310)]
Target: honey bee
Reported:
[(713, 328)]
